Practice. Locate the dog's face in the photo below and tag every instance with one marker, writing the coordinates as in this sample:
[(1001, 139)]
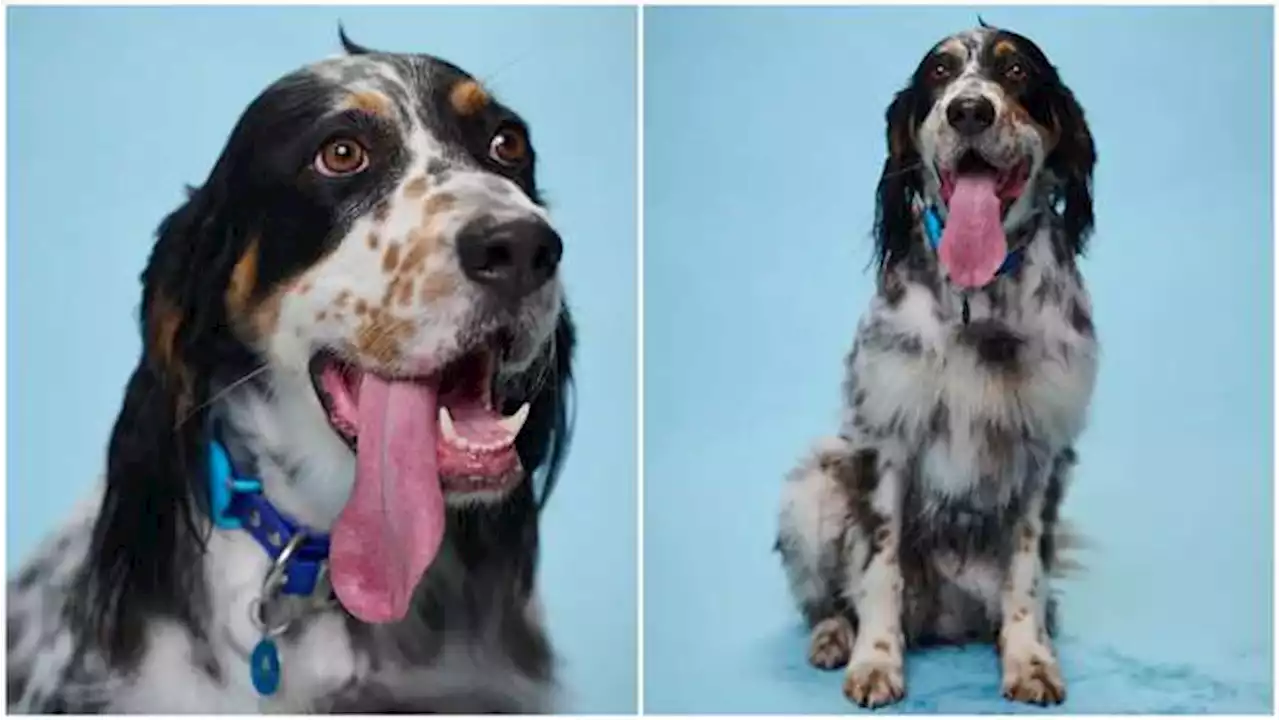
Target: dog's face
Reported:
[(413, 234), (391, 230), (403, 241), (987, 102), (989, 111), (370, 247)]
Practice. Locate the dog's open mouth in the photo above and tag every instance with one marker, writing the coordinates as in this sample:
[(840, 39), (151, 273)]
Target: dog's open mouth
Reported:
[(416, 440), (977, 196), (474, 444), (1008, 182)]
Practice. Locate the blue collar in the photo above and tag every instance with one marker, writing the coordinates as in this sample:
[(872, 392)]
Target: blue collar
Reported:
[(239, 503), (933, 230)]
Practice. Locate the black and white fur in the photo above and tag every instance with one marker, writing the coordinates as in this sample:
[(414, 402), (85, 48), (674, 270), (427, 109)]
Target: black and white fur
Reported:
[(137, 605), (933, 516)]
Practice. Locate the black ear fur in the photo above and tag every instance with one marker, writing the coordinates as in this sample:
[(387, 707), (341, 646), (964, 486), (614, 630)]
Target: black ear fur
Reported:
[(544, 440), (899, 182), (145, 556), (1072, 161)]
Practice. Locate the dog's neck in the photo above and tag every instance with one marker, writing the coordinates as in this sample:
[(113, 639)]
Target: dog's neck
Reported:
[(1039, 243), (273, 436)]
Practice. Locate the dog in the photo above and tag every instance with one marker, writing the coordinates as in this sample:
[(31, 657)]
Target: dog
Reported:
[(933, 516), (322, 488)]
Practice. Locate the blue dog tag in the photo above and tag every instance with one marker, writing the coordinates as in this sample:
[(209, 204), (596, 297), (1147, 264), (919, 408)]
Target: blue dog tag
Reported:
[(264, 667)]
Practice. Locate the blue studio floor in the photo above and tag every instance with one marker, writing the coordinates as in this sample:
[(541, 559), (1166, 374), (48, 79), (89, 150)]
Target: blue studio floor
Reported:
[(759, 189)]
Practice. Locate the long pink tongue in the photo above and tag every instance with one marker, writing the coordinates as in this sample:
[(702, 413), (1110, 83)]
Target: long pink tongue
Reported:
[(392, 525), (973, 243)]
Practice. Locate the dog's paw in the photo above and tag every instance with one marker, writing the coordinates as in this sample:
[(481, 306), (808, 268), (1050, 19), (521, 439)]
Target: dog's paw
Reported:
[(1031, 675), (874, 682), (831, 643)]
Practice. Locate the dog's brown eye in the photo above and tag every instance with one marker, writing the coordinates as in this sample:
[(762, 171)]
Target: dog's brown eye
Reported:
[(940, 71), (1015, 73), (341, 157), (509, 147)]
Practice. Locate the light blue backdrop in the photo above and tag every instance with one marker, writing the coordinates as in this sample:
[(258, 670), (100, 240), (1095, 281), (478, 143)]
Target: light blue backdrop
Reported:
[(111, 111), (764, 138)]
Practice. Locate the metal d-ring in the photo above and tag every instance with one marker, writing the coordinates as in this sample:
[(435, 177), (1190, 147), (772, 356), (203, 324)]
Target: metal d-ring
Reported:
[(275, 578), (271, 584)]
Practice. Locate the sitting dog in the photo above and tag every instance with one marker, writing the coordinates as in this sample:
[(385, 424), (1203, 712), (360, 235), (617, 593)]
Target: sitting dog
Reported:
[(933, 516), (320, 489)]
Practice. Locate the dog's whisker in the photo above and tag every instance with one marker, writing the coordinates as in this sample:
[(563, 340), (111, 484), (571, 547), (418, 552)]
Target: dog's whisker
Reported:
[(904, 170), (223, 392), (490, 78)]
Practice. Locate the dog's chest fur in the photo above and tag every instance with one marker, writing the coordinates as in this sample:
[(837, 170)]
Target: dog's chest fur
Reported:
[(473, 642), (497, 658), (973, 411)]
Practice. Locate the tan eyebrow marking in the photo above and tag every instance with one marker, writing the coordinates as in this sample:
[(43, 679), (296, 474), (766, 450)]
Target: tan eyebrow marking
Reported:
[(1005, 47), (467, 97), (370, 102)]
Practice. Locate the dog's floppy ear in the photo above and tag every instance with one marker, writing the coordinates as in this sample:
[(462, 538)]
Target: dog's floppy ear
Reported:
[(145, 556), (543, 441), (1071, 161), (899, 180)]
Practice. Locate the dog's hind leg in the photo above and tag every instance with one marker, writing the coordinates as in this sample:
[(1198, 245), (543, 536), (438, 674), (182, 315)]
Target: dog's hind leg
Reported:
[(812, 524)]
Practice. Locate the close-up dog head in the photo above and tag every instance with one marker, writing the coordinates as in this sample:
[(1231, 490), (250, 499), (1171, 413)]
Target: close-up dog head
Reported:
[(987, 133), (367, 286)]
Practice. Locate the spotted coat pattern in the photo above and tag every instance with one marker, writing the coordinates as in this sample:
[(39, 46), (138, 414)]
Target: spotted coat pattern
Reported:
[(933, 515), (126, 608)]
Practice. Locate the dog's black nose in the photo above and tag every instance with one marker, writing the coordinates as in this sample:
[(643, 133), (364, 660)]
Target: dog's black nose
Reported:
[(513, 258), (970, 115)]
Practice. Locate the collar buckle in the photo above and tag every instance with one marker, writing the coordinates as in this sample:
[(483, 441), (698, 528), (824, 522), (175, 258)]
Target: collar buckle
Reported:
[(224, 486)]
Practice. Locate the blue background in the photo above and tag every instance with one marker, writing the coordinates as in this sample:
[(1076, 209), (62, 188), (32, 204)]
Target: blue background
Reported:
[(764, 139), (112, 110)]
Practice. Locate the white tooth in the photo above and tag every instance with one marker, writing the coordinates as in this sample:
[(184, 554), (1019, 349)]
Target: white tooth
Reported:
[(446, 427), (515, 422)]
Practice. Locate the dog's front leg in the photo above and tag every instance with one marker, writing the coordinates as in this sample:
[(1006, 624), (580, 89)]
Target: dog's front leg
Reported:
[(874, 676), (1029, 668)]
